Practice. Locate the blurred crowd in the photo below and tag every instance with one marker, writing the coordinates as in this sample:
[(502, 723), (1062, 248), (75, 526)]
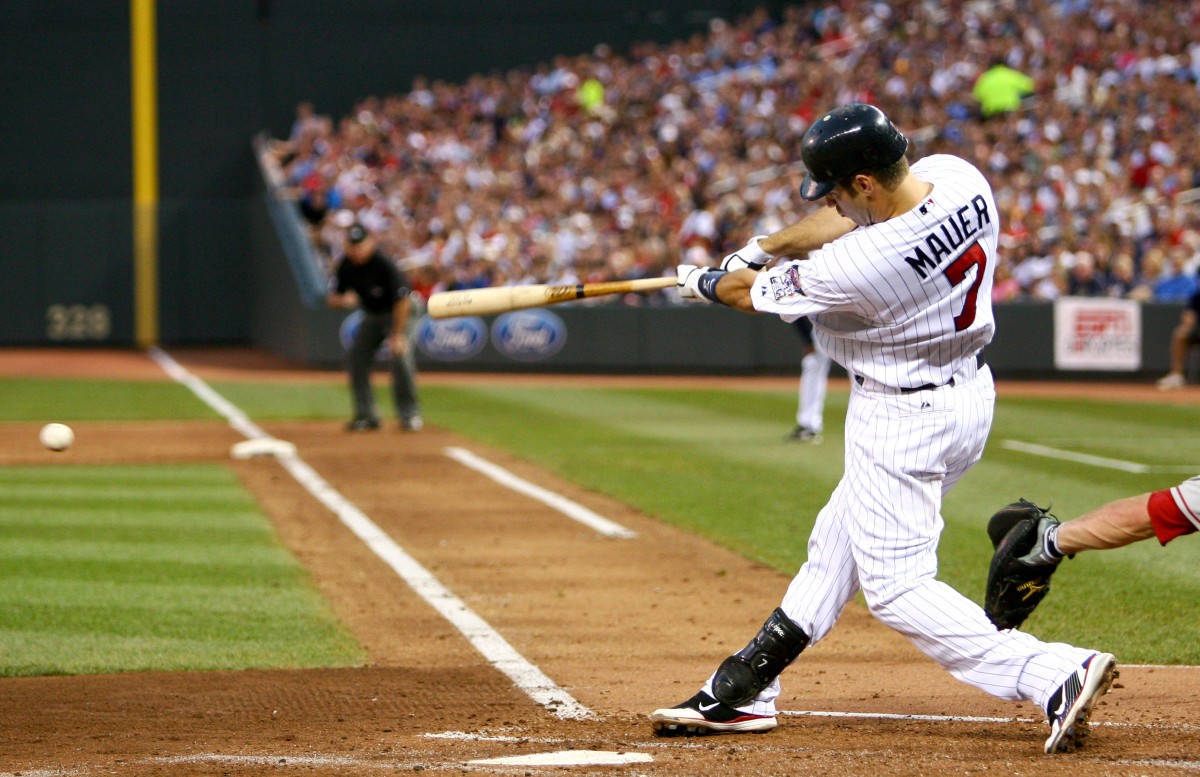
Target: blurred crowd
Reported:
[(1084, 114)]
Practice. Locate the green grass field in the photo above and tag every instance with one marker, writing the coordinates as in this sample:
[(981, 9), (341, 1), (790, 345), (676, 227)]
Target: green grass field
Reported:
[(119, 568), (732, 478)]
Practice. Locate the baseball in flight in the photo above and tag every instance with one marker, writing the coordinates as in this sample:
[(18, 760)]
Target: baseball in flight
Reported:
[(57, 437)]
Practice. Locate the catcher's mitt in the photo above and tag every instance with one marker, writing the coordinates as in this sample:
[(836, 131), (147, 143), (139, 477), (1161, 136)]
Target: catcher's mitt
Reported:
[(1015, 585)]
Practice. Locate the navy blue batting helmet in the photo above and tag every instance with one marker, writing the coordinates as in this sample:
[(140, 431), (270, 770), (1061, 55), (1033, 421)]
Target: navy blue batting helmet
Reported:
[(845, 141)]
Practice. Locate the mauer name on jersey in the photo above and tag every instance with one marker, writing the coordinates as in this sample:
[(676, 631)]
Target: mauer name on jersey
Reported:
[(944, 240)]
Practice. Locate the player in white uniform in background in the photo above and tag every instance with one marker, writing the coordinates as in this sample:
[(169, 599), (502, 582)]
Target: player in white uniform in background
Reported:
[(814, 382), (897, 281)]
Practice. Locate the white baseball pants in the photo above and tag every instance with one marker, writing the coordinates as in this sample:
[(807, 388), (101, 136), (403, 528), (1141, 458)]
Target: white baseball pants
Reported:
[(879, 534)]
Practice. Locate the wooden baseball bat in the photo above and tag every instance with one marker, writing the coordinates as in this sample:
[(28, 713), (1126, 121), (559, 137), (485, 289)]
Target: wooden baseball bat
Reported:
[(501, 299)]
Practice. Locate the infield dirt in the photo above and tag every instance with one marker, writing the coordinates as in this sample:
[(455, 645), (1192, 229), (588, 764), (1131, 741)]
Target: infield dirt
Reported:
[(624, 626)]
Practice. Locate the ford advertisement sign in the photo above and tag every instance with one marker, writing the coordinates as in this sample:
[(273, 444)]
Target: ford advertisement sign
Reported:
[(529, 335), (451, 339)]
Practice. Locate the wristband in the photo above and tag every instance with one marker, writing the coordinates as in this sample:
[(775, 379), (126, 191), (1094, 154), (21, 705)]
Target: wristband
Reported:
[(706, 284)]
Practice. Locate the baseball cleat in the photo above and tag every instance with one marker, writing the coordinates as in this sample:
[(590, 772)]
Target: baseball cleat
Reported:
[(1071, 705), (804, 434), (1171, 381), (702, 714)]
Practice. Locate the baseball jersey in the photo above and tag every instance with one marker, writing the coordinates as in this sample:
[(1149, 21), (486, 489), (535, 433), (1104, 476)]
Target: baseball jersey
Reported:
[(378, 282), (1187, 498), (905, 302)]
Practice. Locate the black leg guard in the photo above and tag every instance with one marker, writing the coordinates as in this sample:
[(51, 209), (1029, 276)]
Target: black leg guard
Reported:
[(743, 675)]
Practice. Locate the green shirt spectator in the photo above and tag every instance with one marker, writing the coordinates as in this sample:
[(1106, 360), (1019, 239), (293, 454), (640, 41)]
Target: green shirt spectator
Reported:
[(590, 95), (1001, 88)]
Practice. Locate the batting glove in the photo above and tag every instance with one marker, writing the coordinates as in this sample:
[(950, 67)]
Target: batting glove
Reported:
[(697, 282), (749, 256)]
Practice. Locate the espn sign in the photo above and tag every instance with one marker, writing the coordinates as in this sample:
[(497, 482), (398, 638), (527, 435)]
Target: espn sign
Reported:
[(1097, 334)]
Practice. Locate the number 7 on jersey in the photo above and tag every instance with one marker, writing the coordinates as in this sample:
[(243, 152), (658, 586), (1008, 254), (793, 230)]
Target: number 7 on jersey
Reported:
[(956, 273)]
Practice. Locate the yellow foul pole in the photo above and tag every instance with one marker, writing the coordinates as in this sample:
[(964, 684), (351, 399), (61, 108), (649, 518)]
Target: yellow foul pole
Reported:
[(145, 172)]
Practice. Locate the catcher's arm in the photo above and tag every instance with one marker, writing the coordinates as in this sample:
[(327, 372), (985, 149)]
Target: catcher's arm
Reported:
[(1019, 574)]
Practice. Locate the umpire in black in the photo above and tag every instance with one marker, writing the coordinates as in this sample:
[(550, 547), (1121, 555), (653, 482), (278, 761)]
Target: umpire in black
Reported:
[(366, 278)]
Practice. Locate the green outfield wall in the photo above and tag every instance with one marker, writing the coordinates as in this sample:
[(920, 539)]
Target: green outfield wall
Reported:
[(226, 70)]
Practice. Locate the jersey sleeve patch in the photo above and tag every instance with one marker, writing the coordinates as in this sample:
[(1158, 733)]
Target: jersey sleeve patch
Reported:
[(786, 284)]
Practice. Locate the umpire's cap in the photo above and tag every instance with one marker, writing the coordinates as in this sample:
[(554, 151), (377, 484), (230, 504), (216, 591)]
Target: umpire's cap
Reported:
[(845, 141)]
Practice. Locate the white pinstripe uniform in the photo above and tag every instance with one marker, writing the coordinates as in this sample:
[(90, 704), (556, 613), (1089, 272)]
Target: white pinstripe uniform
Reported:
[(905, 306)]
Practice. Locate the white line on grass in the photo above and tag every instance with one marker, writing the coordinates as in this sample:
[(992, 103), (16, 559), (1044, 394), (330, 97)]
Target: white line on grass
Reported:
[(1095, 461), (572, 510), (481, 635), (237, 419)]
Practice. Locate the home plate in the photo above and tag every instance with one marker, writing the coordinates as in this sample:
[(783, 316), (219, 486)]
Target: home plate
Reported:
[(569, 758)]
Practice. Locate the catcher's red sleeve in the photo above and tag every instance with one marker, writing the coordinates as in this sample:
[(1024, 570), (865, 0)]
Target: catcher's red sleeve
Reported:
[(1167, 519)]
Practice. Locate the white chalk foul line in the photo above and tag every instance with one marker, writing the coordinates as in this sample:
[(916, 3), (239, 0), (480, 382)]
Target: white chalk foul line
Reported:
[(237, 419), (972, 719), (478, 632), (482, 636), (1095, 461), (572, 510)]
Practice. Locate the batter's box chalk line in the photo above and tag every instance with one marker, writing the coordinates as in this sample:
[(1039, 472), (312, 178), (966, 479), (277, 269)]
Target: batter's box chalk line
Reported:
[(973, 719), (568, 758)]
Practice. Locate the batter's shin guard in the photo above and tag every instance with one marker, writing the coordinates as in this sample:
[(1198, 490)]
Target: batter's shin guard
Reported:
[(743, 675)]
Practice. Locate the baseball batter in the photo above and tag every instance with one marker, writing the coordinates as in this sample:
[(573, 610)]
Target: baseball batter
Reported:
[(897, 281)]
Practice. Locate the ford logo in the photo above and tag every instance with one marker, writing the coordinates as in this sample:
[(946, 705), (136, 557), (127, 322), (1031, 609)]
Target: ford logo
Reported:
[(529, 335), (349, 330), (451, 339)]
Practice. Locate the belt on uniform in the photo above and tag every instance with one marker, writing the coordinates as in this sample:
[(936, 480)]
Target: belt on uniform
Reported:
[(926, 387), (979, 362)]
